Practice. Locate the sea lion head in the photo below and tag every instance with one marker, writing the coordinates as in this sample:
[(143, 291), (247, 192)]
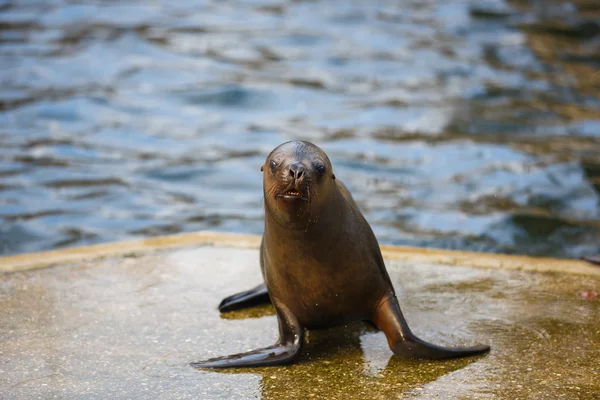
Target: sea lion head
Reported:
[(297, 181)]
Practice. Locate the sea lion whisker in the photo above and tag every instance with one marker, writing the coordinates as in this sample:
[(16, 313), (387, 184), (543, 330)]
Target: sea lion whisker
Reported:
[(268, 192), (312, 197)]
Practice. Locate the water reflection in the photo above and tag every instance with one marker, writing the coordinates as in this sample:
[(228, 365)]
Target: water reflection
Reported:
[(455, 124), (509, 309), (351, 361)]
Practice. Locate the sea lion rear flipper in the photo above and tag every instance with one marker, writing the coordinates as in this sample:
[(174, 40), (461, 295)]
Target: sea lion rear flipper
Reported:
[(248, 298), (592, 259), (286, 350), (405, 344)]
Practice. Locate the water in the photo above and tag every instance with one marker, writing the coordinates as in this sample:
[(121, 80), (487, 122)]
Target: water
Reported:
[(454, 124)]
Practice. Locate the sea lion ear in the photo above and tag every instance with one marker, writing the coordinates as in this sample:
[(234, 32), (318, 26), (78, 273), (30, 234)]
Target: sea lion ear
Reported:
[(261, 168), (333, 176)]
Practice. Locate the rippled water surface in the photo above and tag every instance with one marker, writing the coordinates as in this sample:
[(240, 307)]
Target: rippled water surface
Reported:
[(454, 124)]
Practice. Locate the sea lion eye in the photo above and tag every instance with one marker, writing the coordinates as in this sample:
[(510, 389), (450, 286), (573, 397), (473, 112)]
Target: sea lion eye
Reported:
[(273, 165), (320, 169)]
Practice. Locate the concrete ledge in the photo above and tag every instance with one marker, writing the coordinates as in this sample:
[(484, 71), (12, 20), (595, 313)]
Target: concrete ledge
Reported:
[(29, 261)]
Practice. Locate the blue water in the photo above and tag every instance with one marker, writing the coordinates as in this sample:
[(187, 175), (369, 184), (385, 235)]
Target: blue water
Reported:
[(454, 124)]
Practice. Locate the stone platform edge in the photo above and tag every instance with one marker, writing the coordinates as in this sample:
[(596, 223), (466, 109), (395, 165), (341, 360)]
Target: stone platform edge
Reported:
[(44, 259)]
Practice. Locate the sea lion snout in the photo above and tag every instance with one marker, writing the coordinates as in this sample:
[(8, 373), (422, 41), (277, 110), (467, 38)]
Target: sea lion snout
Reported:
[(297, 171)]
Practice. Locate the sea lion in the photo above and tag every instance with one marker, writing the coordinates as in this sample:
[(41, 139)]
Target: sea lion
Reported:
[(321, 264)]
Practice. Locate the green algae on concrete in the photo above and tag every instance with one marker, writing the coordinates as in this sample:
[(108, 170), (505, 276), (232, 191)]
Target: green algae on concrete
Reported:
[(128, 327)]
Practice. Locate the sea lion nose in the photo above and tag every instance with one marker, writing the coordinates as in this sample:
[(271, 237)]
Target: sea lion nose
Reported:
[(297, 171)]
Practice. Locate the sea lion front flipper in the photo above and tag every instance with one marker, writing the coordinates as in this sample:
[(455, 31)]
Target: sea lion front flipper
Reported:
[(592, 259), (248, 298), (405, 344), (285, 351)]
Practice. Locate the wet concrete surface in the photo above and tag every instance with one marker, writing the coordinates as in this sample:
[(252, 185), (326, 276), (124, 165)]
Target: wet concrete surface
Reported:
[(127, 327)]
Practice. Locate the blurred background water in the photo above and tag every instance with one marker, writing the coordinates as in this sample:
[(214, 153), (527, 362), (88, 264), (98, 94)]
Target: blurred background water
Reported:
[(455, 124)]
